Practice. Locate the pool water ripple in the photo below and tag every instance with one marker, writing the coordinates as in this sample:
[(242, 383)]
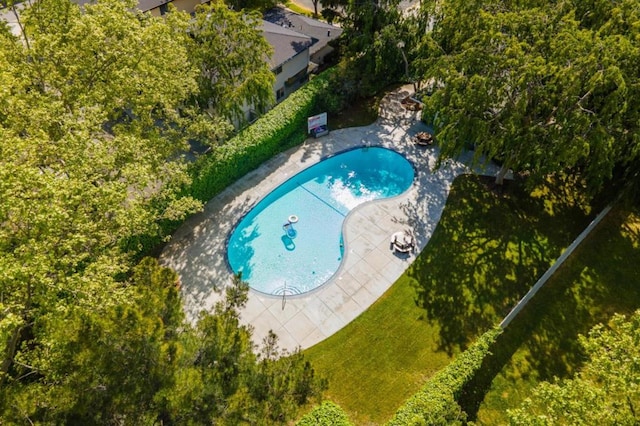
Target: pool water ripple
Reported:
[(277, 257)]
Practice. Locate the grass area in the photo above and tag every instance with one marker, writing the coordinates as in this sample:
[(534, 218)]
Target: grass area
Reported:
[(299, 9), (485, 253), (601, 278), (380, 359)]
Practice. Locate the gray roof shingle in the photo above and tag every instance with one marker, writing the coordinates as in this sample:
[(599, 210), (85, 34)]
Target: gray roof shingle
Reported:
[(286, 43), (320, 32)]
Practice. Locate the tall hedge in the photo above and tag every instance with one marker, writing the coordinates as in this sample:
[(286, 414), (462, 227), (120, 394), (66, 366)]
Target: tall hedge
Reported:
[(436, 403), (327, 414), (279, 129)]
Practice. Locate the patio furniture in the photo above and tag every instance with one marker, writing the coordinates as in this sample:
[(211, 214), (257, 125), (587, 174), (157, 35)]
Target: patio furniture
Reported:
[(402, 242), (423, 138)]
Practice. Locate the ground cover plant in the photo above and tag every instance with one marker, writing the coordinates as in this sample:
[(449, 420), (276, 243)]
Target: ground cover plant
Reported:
[(600, 279), (486, 251)]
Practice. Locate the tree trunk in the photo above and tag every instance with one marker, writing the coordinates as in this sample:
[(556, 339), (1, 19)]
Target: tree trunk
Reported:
[(12, 346)]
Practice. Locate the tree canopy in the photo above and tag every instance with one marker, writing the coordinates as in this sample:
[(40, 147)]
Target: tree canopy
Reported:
[(83, 158), (95, 113), (541, 88), (606, 391), (371, 52), (232, 55)]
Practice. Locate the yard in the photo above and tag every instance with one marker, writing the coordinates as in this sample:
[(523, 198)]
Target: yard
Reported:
[(601, 278), (486, 252)]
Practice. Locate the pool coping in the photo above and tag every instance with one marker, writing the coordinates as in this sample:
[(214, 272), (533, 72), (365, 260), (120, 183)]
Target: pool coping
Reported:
[(197, 250), (342, 228)]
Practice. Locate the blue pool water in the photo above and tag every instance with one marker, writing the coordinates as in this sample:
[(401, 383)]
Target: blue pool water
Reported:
[(294, 259)]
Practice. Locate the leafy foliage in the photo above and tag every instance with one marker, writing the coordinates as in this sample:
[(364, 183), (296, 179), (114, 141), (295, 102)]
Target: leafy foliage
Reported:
[(138, 361), (370, 45), (327, 414), (279, 129), (252, 5), (533, 86), (436, 403), (606, 391), (82, 161), (232, 55), (221, 378)]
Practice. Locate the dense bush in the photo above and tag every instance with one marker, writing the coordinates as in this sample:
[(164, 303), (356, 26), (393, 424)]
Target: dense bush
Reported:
[(279, 129), (327, 414), (436, 403)]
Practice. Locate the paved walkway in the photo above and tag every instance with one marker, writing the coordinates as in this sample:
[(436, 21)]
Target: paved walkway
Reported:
[(198, 249)]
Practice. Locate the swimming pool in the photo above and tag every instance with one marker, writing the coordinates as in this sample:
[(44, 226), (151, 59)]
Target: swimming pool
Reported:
[(291, 241)]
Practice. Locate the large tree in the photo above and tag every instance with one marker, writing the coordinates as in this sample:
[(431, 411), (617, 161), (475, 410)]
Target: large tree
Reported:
[(232, 55), (371, 45), (136, 361), (606, 391), (532, 87), (86, 112)]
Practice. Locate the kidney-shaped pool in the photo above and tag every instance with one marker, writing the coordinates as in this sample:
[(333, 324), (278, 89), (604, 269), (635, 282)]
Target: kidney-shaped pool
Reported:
[(291, 241)]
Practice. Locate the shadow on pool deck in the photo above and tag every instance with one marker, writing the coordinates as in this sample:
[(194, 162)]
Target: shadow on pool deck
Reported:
[(197, 250)]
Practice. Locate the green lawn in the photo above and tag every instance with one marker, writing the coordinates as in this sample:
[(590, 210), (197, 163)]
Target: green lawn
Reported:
[(486, 252), (602, 277)]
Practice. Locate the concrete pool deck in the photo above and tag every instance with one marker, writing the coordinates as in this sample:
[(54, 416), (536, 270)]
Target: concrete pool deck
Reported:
[(197, 250)]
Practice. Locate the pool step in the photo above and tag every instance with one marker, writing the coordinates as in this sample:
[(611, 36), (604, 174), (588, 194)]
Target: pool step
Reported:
[(287, 291)]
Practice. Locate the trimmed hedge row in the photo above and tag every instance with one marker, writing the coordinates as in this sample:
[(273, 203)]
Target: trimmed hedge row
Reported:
[(327, 414), (278, 130), (436, 403)]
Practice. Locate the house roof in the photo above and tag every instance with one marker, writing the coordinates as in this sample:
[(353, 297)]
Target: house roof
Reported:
[(320, 32), (147, 5), (285, 42)]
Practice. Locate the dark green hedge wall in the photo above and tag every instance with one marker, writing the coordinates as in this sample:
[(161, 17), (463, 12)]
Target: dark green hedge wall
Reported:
[(436, 403), (278, 130)]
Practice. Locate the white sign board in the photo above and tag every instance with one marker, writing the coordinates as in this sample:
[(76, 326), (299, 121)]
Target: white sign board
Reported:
[(316, 121)]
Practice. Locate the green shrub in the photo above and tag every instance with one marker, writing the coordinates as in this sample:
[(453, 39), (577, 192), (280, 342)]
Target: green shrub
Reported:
[(436, 403), (327, 414), (278, 130)]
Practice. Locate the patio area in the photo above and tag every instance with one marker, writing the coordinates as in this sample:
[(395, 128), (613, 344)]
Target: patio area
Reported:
[(369, 267)]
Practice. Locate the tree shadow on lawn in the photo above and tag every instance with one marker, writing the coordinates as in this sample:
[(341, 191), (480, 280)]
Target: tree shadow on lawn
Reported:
[(487, 251), (597, 281)]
